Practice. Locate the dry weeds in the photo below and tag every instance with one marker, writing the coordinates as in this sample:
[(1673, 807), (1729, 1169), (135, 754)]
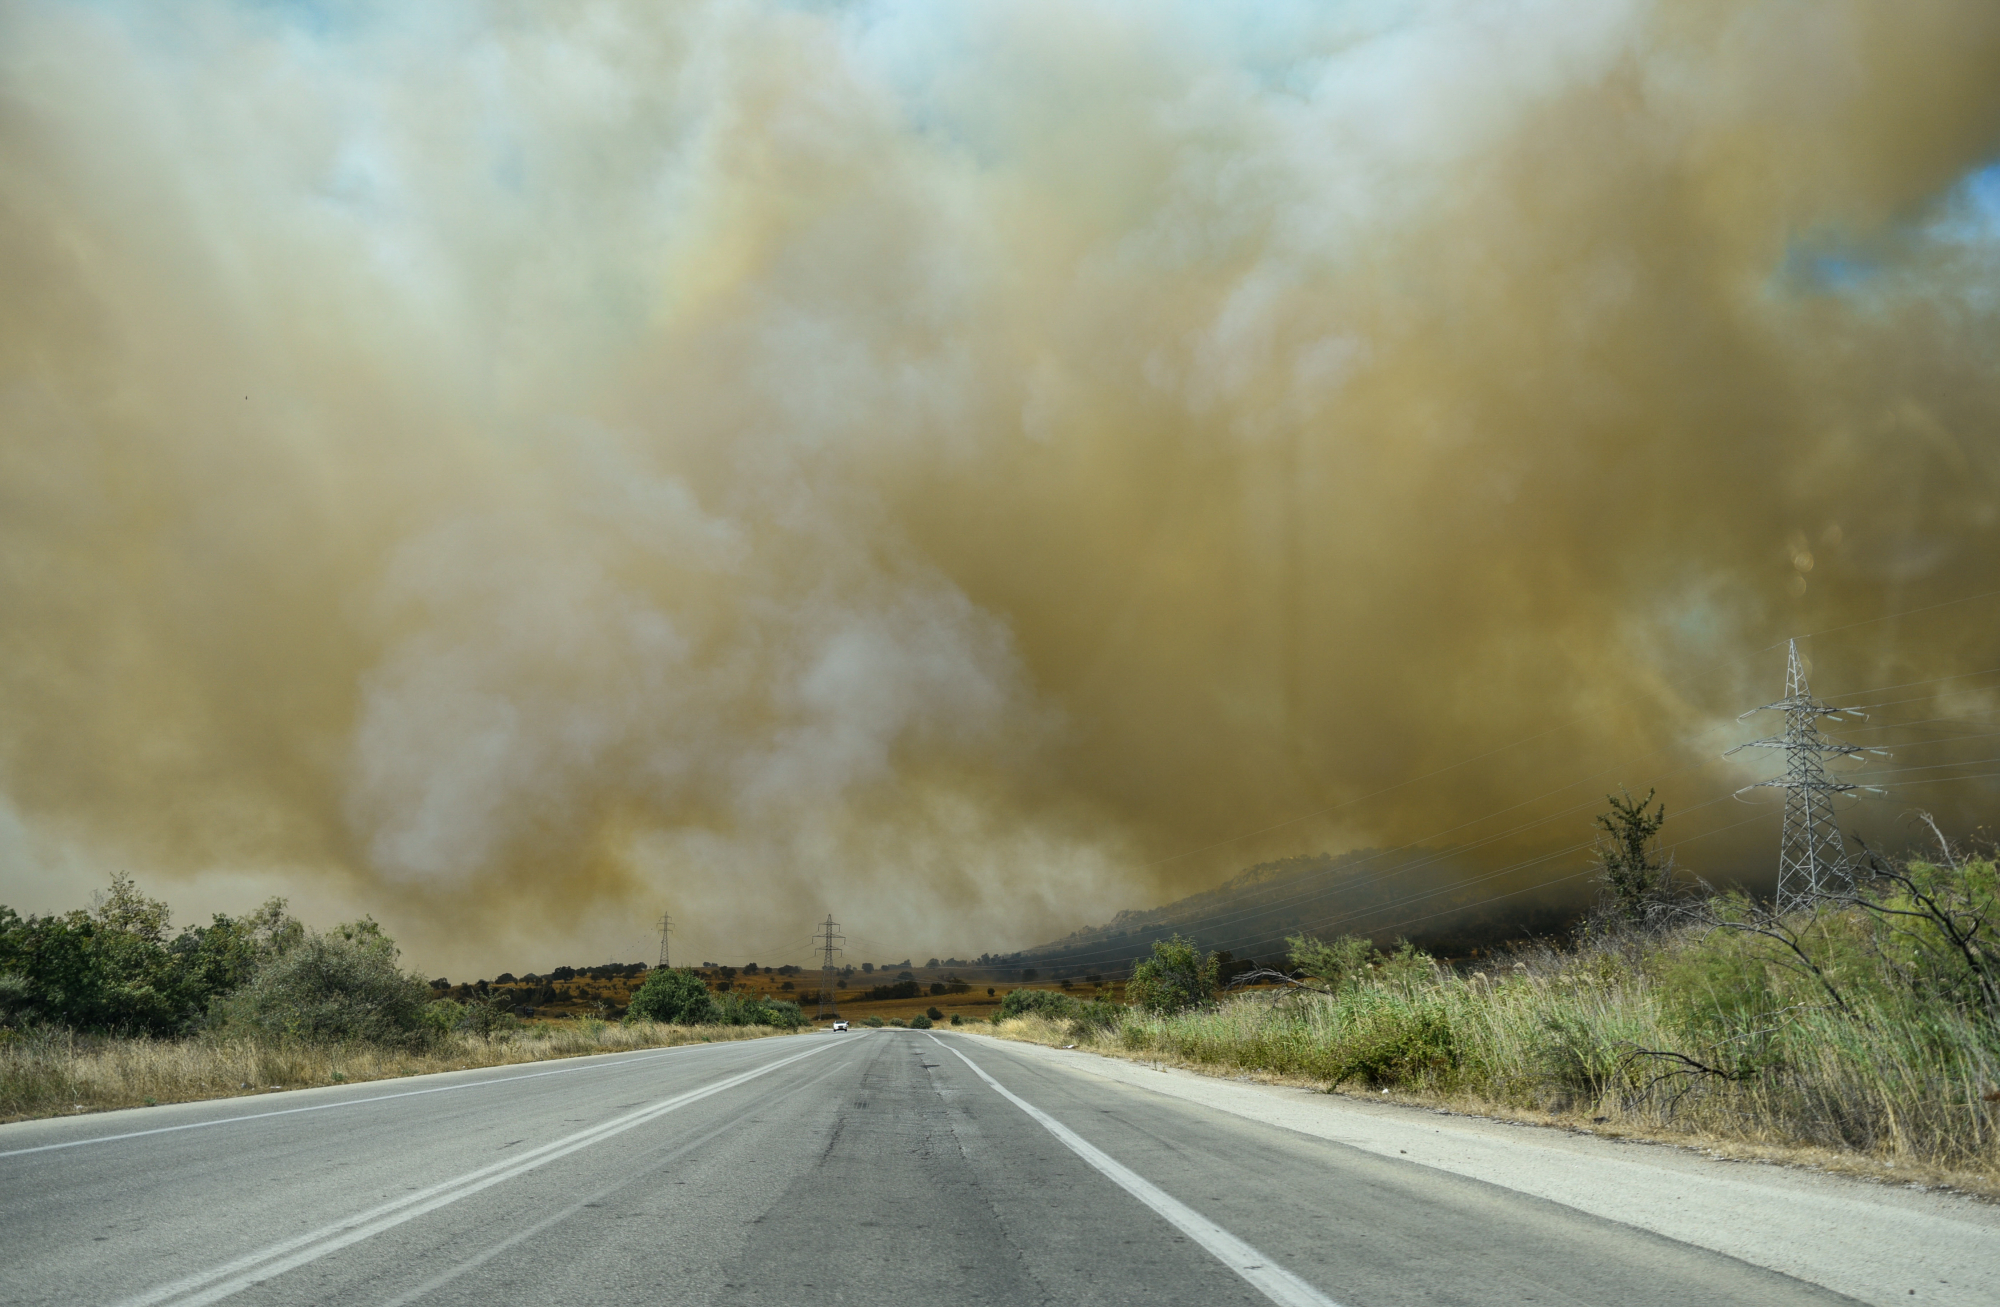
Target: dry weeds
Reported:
[(55, 1073), (1742, 1123)]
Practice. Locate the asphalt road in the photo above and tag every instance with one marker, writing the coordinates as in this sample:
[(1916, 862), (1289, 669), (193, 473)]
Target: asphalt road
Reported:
[(884, 1168)]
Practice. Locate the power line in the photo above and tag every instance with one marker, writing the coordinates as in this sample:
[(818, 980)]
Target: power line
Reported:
[(666, 924)]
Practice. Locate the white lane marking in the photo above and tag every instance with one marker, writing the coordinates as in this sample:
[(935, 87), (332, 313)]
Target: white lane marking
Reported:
[(377, 1098), (1265, 1275), (253, 1268)]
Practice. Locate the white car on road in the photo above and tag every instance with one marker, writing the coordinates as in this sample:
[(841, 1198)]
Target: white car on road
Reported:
[(840, 1025)]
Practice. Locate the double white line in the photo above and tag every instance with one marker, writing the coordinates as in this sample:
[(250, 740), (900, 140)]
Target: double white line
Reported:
[(235, 1276)]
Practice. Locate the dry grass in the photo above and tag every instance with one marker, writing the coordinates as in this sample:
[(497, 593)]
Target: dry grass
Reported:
[(1734, 1142), (1895, 1089), (55, 1073)]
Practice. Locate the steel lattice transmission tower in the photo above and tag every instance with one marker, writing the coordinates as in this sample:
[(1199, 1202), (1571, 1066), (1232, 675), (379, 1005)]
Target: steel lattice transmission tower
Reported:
[(1812, 858), (666, 924), (827, 976)]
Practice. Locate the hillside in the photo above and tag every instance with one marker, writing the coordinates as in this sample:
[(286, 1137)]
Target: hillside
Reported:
[(1428, 895)]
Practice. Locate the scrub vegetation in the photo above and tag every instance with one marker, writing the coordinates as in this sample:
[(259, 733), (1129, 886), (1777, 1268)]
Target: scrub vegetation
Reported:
[(106, 1007), (1867, 1027)]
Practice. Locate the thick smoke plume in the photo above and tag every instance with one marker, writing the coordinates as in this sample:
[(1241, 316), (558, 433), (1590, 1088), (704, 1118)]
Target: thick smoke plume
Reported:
[(972, 468)]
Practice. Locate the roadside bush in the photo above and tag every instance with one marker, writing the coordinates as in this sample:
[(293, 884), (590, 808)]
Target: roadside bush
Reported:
[(1042, 1002), (1337, 963), (1065, 1011), (673, 996), (1175, 978), (343, 985), (736, 1010), (920, 1022), (487, 1015), (934, 1013), (1390, 1041), (957, 1019), (441, 1016), (876, 1022)]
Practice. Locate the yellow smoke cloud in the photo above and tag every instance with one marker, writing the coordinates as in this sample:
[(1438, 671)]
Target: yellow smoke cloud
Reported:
[(970, 471)]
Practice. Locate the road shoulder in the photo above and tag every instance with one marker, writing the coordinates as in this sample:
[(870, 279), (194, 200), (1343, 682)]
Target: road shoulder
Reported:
[(1871, 1242)]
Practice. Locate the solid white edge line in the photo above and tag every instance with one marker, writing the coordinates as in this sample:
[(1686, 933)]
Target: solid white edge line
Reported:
[(1263, 1274), (275, 1259), (645, 1055)]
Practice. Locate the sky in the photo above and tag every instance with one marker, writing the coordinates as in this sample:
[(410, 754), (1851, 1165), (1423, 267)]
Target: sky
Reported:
[(970, 469)]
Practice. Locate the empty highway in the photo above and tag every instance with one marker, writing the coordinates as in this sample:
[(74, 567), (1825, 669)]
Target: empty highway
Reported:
[(884, 1168)]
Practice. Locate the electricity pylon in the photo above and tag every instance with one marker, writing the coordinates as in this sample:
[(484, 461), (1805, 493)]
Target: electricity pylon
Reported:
[(1812, 858), (827, 975), (666, 924)]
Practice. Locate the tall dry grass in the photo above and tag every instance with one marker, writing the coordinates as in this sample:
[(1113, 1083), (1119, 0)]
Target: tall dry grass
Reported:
[(47, 1072), (1699, 1033)]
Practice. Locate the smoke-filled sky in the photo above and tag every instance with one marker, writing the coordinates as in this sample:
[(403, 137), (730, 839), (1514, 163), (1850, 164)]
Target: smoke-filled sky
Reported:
[(970, 468)]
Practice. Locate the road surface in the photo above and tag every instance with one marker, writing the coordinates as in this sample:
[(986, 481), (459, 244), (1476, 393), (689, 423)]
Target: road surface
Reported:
[(884, 1167)]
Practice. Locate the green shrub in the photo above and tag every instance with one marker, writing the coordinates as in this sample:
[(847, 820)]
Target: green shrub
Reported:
[(1337, 964), (957, 1020), (876, 1022), (1175, 978), (736, 1010), (674, 996), (1078, 1016), (920, 1022), (934, 1013), (442, 1016), (487, 1015), (1042, 1002), (337, 986), (783, 1014)]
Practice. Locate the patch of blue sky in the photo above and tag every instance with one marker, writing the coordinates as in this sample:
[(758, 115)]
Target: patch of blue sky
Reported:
[(1829, 271), (1966, 216), (1971, 213)]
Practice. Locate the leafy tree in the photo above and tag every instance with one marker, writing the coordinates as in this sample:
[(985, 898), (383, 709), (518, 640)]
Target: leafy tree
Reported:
[(933, 1013), (1631, 867), (674, 995), (1175, 978), (114, 967)]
